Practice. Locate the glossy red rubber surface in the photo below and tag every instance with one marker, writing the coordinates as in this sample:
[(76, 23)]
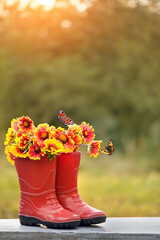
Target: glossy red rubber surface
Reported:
[(66, 186), (37, 187)]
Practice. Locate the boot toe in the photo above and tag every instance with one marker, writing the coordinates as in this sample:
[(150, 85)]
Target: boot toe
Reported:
[(69, 216), (90, 212)]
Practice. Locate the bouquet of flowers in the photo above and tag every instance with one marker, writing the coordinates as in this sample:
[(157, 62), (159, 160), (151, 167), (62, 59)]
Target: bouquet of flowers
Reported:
[(24, 139)]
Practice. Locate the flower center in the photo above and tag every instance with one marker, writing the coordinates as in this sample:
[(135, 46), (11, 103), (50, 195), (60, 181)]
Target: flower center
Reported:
[(63, 138), (37, 149), (85, 133), (44, 135), (25, 142), (26, 124)]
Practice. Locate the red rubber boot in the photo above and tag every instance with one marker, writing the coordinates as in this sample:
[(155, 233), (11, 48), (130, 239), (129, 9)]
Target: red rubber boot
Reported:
[(38, 201), (67, 191)]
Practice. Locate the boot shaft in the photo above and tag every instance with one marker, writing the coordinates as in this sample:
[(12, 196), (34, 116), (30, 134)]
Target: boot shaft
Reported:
[(36, 177), (67, 172)]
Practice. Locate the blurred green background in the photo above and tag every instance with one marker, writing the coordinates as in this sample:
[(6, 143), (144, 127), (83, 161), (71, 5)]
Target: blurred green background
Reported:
[(99, 61)]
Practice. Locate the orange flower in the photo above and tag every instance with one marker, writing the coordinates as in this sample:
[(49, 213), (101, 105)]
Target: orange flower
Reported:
[(87, 132), (35, 151), (41, 133), (74, 131), (94, 148), (25, 124), (78, 140), (65, 139)]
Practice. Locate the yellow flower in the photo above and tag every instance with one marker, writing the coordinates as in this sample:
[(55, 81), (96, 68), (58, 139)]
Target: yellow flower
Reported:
[(17, 152), (53, 146), (67, 141), (9, 155), (9, 136), (52, 130)]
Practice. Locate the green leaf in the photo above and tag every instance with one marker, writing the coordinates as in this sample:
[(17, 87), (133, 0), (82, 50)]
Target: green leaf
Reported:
[(51, 157)]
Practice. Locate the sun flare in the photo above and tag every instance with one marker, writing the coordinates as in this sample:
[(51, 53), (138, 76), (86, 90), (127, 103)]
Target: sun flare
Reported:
[(34, 3), (47, 3)]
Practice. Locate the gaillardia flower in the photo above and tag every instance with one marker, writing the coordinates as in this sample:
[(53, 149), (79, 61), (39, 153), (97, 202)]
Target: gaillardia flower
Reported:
[(17, 152), (87, 133), (53, 146), (65, 139), (9, 155), (42, 133), (14, 124), (74, 131), (25, 124), (52, 131), (94, 148), (9, 136), (22, 141), (35, 151)]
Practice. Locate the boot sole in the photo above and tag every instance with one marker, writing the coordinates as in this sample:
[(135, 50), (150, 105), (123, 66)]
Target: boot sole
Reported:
[(95, 220), (31, 221)]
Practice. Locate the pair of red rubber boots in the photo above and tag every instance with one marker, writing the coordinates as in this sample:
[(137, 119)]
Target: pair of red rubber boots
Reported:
[(49, 193)]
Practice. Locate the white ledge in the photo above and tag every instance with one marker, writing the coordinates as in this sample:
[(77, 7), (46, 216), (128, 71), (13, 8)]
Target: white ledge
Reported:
[(112, 229)]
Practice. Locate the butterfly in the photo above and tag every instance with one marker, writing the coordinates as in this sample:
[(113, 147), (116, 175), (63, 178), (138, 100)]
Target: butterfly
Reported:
[(109, 149), (64, 119)]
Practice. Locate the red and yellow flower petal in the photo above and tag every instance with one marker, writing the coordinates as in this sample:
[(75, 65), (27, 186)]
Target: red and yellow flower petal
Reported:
[(60, 130), (10, 156), (76, 148), (35, 151), (69, 145), (74, 129), (19, 134), (75, 133), (23, 141), (17, 152), (67, 141), (94, 148), (52, 131), (14, 124), (9, 136), (87, 133), (53, 146), (77, 139)]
